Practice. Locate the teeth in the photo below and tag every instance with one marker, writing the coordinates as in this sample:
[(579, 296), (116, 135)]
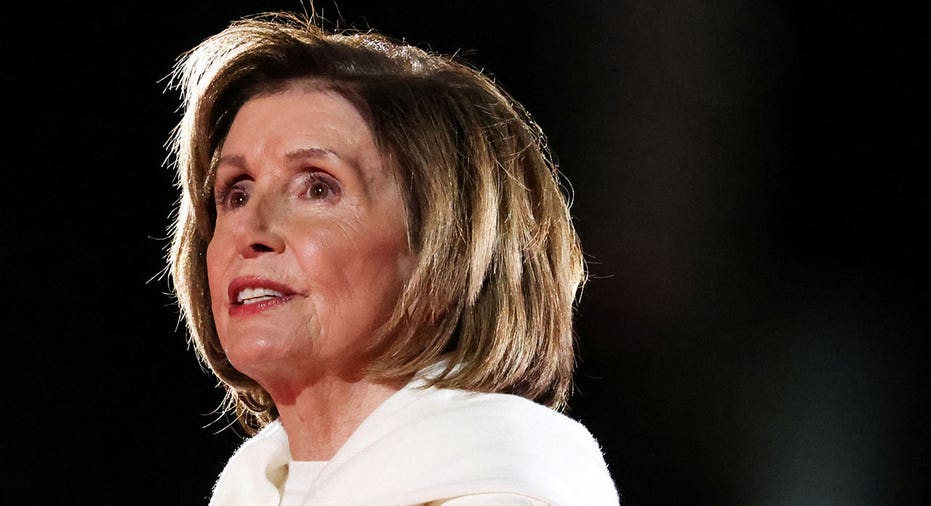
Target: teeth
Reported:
[(253, 295)]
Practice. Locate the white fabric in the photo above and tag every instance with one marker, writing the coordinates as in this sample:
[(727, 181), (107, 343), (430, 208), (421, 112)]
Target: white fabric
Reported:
[(489, 500), (296, 495), (430, 445), (300, 481)]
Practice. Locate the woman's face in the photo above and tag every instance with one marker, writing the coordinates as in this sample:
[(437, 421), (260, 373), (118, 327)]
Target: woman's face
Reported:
[(310, 252)]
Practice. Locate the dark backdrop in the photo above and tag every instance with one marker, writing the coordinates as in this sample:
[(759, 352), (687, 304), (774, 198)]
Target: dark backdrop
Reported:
[(749, 183)]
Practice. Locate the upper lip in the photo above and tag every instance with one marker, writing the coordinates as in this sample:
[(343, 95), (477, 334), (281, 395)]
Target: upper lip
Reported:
[(239, 284)]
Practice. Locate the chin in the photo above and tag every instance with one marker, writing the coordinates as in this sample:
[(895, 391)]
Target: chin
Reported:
[(254, 356)]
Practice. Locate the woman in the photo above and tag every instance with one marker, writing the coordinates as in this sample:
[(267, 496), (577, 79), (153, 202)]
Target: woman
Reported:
[(372, 253)]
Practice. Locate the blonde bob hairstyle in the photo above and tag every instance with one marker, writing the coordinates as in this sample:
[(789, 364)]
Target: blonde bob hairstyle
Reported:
[(499, 263)]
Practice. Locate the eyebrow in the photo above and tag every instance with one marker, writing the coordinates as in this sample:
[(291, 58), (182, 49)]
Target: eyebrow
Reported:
[(318, 153), (311, 152), (296, 154)]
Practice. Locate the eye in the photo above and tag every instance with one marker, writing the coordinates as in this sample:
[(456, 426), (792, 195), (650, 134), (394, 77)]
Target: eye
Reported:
[(236, 198), (233, 196), (318, 190), (319, 186)]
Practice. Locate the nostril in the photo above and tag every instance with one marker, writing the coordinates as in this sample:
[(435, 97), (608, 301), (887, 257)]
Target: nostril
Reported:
[(260, 248)]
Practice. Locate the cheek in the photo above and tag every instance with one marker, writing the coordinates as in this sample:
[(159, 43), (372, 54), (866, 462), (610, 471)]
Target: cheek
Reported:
[(214, 279), (212, 263), (355, 274), (324, 260)]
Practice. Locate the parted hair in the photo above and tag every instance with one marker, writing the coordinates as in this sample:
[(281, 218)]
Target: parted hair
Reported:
[(499, 265)]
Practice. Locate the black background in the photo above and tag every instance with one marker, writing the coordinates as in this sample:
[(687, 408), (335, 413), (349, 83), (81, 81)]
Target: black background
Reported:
[(749, 184)]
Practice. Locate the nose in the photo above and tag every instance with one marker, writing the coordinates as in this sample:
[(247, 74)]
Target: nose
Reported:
[(259, 229)]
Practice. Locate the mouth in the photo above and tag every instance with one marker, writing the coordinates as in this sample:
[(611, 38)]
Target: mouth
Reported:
[(257, 291), (254, 295)]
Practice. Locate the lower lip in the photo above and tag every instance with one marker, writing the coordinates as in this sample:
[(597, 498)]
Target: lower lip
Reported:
[(258, 307)]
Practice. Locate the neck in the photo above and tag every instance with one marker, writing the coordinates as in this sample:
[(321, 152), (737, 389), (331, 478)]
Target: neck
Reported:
[(320, 417)]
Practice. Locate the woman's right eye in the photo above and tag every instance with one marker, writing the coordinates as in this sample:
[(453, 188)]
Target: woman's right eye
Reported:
[(232, 197)]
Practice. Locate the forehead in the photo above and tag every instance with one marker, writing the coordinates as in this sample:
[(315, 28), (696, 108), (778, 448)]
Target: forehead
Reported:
[(299, 110), (304, 116)]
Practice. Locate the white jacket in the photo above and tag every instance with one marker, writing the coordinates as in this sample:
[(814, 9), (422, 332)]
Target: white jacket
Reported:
[(424, 445)]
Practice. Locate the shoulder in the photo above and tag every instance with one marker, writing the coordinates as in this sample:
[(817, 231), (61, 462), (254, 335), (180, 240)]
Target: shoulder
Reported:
[(504, 418), (457, 442)]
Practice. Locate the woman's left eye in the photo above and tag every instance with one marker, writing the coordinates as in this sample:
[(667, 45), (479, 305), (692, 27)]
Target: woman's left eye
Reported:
[(321, 187), (318, 190)]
